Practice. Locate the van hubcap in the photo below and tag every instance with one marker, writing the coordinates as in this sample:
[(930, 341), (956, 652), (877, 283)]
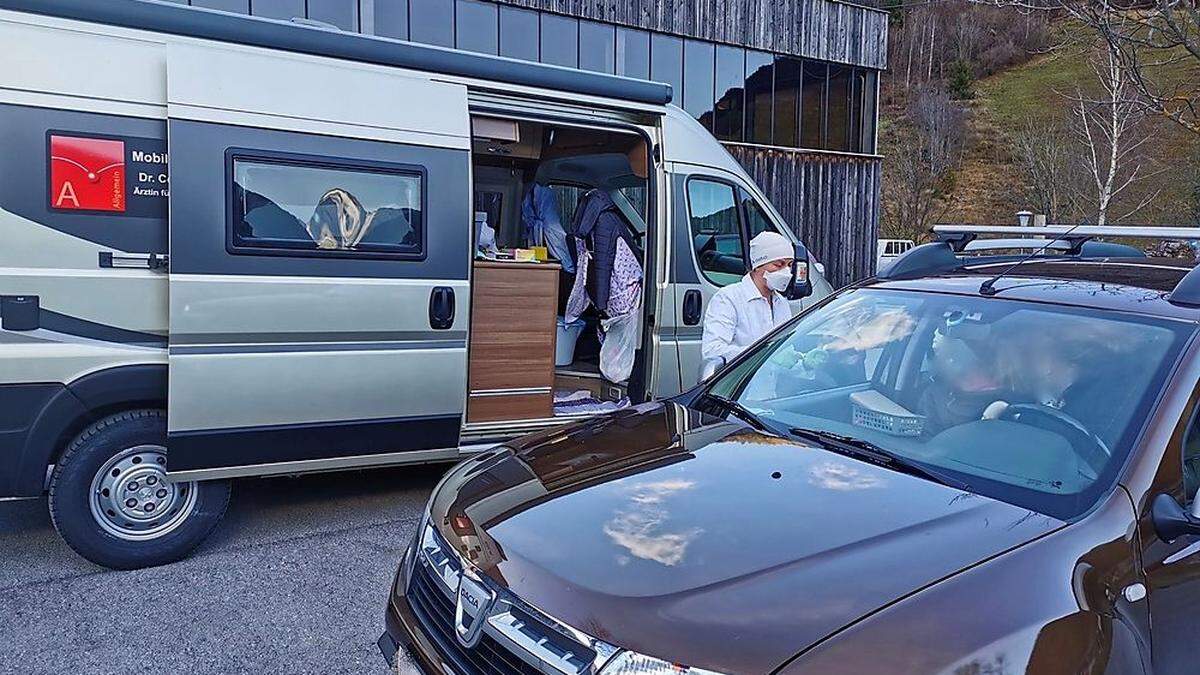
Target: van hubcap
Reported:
[(133, 499)]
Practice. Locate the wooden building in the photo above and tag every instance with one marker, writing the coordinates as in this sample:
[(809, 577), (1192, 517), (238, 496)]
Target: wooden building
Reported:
[(790, 86)]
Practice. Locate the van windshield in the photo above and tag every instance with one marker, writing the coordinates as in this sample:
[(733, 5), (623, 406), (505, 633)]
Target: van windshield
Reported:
[(1033, 404)]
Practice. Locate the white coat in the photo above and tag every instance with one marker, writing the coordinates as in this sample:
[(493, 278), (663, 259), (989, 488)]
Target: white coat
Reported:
[(737, 316)]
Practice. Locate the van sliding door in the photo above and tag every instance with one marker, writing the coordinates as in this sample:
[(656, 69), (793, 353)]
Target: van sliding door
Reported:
[(319, 252)]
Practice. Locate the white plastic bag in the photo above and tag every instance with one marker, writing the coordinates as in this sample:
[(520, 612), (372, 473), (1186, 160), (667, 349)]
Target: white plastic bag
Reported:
[(621, 337)]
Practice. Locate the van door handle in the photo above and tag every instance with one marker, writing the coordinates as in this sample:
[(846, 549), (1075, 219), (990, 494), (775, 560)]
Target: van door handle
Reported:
[(441, 307), (693, 303)]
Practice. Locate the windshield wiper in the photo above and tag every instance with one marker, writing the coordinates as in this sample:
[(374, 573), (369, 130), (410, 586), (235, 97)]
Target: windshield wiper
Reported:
[(875, 454), (744, 414)]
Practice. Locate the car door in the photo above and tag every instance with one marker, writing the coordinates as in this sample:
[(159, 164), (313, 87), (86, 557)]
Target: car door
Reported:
[(319, 254), (1172, 569)]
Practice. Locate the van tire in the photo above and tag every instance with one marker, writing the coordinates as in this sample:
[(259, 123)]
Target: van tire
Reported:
[(125, 454)]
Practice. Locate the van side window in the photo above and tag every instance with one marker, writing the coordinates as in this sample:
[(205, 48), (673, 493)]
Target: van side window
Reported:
[(716, 231), (322, 207), (756, 218)]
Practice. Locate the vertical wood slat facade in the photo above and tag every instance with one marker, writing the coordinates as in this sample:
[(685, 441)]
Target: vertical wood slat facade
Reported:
[(815, 29), (831, 201)]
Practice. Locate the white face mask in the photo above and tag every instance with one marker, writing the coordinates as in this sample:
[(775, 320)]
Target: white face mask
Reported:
[(779, 279)]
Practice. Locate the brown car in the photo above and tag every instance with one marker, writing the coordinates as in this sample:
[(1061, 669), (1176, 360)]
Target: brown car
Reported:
[(941, 471)]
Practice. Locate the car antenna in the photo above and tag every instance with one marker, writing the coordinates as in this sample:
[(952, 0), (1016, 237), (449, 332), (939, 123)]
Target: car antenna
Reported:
[(988, 288)]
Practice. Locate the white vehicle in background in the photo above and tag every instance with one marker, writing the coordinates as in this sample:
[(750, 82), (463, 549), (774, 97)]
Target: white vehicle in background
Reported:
[(889, 250)]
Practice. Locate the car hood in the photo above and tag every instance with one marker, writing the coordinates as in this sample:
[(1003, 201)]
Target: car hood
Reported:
[(696, 540)]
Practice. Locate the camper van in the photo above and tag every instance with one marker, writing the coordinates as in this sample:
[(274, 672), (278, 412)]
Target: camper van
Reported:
[(368, 252)]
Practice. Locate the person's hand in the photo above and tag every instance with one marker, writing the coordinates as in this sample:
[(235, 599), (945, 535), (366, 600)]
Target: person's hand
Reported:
[(994, 410), (786, 357)]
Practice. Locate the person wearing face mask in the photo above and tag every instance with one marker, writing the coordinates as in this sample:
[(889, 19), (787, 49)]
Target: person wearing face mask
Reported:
[(741, 313)]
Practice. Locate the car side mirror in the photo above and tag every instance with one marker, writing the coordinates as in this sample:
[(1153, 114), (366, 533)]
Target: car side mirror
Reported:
[(1171, 521), (801, 286)]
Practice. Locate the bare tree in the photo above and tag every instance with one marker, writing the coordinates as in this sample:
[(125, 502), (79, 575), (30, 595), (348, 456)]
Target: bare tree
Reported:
[(928, 146), (1047, 155), (1110, 128)]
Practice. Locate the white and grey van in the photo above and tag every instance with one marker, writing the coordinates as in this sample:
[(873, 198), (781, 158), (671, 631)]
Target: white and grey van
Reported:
[(308, 291)]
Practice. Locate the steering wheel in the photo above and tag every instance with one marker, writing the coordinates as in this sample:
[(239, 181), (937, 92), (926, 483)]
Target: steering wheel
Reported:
[(1090, 447)]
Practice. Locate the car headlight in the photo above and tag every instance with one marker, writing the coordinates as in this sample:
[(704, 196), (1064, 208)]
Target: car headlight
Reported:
[(632, 663)]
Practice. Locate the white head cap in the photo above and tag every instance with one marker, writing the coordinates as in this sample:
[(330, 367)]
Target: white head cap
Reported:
[(769, 247)]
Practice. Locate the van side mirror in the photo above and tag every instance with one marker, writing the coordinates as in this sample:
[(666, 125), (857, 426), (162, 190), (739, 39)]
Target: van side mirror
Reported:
[(801, 286), (1171, 521)]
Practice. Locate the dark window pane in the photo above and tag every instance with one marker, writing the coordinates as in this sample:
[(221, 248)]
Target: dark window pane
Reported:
[(716, 235), (698, 63), (597, 46), (278, 9), (242, 6), (788, 73), (476, 26), (666, 63), (519, 33), (837, 119), (812, 106), (287, 206), (633, 53), (727, 117), (431, 22), (341, 13), (870, 102), (391, 18), (760, 83), (560, 40)]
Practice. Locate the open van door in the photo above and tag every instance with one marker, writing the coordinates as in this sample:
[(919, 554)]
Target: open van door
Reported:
[(319, 255)]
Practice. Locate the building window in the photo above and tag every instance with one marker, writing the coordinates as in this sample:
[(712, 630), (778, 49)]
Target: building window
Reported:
[(278, 9), (391, 18), (321, 207), (431, 22), (729, 104), (666, 63), (788, 75), (597, 46), (864, 112), (476, 27), (760, 85), (716, 231), (519, 33), (812, 106), (560, 40), (698, 63), (340, 13), (837, 116), (633, 53)]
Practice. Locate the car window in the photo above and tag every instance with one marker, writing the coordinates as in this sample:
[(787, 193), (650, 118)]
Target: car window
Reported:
[(1191, 458), (568, 197), (1029, 403), (716, 230)]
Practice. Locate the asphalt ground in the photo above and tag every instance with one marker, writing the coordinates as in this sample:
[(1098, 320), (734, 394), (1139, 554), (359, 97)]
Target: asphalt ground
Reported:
[(293, 580)]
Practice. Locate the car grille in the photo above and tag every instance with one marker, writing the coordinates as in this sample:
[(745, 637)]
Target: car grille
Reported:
[(435, 611)]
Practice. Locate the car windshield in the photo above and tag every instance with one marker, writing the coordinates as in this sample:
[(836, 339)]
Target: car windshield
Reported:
[(1030, 403)]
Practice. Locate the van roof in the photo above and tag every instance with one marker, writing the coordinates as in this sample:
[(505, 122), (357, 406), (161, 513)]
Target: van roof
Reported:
[(210, 24)]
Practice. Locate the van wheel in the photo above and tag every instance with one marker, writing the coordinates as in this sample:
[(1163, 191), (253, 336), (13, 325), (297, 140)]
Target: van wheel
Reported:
[(111, 500)]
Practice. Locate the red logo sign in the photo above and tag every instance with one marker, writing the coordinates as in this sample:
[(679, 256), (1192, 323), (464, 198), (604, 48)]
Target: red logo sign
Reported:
[(87, 174)]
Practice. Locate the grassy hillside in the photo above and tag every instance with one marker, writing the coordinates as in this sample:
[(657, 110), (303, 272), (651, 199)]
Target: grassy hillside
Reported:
[(986, 188)]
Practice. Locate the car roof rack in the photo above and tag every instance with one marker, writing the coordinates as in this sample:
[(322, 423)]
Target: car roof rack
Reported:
[(942, 256)]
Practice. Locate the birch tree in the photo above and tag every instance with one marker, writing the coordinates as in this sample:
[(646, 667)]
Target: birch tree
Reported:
[(1110, 131)]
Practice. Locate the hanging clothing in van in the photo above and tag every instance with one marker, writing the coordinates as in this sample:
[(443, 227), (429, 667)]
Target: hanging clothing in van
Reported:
[(600, 224), (539, 213)]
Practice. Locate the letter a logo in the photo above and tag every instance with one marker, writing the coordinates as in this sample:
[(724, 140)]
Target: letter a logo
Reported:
[(67, 192)]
